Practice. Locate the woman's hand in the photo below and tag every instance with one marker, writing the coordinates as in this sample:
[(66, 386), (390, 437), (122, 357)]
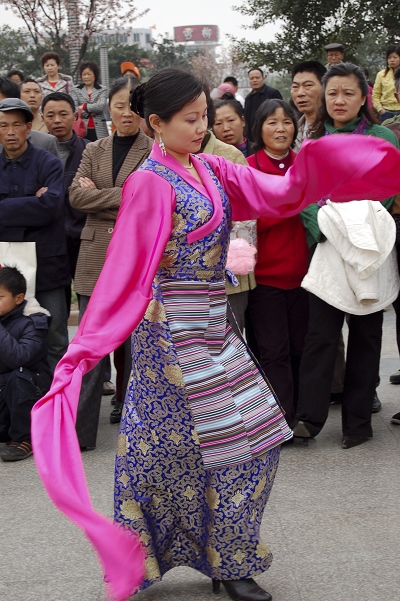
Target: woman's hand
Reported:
[(86, 182)]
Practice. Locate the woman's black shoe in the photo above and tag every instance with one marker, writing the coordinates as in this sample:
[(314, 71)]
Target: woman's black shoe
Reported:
[(115, 415), (353, 441), (242, 590)]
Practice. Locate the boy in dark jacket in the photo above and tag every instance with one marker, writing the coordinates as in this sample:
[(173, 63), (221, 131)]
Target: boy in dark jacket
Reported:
[(24, 372)]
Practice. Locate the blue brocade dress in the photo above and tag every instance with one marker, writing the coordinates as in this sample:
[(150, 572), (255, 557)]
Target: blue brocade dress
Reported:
[(200, 434)]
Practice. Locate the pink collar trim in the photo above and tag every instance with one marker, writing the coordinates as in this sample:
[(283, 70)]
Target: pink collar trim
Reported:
[(208, 189)]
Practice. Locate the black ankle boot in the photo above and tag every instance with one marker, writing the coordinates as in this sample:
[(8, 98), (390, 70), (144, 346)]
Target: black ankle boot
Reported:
[(242, 590)]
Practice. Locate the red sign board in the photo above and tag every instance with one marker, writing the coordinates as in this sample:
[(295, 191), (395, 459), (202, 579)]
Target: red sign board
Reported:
[(196, 33)]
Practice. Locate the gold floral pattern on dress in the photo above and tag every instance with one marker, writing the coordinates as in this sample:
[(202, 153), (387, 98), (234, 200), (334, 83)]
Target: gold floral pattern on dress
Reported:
[(239, 556), (145, 538), (124, 479), (154, 436), (167, 556), (259, 488), (213, 557), (163, 343), (195, 436), (171, 246), (167, 260), (237, 498), (212, 256), (155, 311), (189, 493), (175, 437), (150, 373), (203, 215), (156, 501), (131, 509), (212, 497), (178, 223), (262, 550), (173, 373), (122, 445), (152, 569), (143, 446)]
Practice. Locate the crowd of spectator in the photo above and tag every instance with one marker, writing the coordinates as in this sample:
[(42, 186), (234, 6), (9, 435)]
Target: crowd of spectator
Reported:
[(60, 188)]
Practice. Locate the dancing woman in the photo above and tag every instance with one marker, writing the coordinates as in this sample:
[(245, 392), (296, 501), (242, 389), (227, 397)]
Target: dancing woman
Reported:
[(201, 431)]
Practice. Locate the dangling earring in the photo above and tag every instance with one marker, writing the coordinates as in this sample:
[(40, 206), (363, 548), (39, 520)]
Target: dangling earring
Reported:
[(162, 146)]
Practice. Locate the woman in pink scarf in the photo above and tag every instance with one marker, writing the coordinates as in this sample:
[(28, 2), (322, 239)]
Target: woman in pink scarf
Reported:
[(201, 431)]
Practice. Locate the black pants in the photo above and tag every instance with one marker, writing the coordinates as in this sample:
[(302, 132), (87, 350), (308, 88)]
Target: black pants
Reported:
[(318, 362), (279, 319), (19, 391)]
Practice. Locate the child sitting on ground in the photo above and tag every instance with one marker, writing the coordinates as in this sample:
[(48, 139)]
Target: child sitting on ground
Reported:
[(24, 373)]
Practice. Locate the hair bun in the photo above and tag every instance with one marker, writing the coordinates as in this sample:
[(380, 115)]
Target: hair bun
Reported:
[(137, 100)]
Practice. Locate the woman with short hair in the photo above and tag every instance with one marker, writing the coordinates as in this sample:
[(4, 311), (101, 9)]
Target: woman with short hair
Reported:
[(53, 80), (91, 98)]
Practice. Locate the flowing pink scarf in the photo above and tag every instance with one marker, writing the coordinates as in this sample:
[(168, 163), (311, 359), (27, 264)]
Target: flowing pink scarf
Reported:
[(360, 167)]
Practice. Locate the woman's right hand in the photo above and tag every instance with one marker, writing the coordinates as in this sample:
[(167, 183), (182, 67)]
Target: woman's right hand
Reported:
[(86, 182)]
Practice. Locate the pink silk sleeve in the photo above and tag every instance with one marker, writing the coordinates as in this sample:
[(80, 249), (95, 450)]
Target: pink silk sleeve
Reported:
[(119, 301), (340, 167)]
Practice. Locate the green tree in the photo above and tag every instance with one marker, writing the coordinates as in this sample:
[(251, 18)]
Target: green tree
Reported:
[(307, 25), (18, 52), (48, 21), (119, 53), (168, 54)]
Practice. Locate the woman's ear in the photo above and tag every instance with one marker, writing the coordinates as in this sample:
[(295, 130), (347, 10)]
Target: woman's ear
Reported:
[(155, 122)]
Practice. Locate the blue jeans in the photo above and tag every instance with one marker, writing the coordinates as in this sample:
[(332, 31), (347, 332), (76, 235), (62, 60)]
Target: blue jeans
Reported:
[(388, 115)]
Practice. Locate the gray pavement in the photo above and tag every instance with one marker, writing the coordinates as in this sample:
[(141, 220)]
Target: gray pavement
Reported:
[(332, 520)]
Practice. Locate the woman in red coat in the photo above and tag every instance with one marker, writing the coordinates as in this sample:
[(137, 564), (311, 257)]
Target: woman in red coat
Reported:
[(278, 307)]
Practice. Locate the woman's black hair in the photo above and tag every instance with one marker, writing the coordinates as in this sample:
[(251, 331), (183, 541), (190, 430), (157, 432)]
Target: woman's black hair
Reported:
[(228, 99), (265, 110), (92, 66), (57, 96), (120, 84), (16, 72), (390, 51), (48, 56), (341, 70), (166, 93)]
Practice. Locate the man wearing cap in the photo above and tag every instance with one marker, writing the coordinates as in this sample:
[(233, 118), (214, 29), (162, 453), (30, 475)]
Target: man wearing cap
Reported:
[(259, 92), (31, 210), (334, 54), (9, 89), (128, 69)]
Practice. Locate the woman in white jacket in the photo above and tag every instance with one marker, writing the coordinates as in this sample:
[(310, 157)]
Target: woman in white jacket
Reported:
[(344, 110)]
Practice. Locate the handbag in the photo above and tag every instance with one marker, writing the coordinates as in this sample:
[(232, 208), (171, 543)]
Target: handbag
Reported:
[(22, 255), (79, 126)]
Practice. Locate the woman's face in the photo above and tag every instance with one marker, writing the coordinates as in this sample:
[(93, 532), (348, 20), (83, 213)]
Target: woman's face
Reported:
[(184, 133), (228, 126), (343, 99), (51, 68), (124, 119), (88, 78), (277, 132), (393, 60)]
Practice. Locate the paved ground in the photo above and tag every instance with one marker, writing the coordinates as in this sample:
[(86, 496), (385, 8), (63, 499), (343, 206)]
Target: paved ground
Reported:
[(332, 521)]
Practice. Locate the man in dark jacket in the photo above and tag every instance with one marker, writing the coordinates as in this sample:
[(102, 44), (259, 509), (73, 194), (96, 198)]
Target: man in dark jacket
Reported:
[(260, 92), (24, 372), (31, 210), (59, 114)]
